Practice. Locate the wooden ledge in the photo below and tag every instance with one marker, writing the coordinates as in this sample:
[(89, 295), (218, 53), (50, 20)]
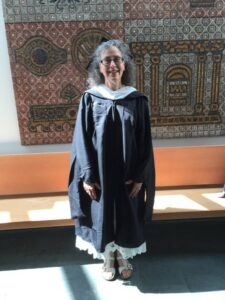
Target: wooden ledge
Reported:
[(48, 172)]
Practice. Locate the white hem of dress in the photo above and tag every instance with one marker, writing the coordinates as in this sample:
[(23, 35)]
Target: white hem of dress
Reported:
[(110, 247)]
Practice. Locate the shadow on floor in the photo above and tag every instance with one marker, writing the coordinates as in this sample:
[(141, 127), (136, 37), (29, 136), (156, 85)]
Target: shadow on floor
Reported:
[(183, 257)]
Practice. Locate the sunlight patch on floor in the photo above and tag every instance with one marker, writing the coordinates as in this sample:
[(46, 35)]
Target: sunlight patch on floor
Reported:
[(35, 284), (59, 283)]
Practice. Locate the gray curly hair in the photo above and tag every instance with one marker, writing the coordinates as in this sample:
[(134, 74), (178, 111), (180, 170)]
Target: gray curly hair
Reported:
[(94, 75)]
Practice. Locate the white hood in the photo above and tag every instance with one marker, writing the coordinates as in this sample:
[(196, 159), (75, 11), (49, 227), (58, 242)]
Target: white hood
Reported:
[(105, 92)]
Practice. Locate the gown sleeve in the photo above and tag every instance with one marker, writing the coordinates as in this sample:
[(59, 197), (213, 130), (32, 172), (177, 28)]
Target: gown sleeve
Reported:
[(144, 142), (145, 167), (83, 140)]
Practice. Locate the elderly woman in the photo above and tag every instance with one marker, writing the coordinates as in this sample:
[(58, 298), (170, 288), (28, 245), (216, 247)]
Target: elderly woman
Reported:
[(112, 177)]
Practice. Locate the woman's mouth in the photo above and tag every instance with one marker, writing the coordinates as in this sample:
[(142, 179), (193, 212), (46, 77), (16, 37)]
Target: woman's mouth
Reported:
[(113, 72)]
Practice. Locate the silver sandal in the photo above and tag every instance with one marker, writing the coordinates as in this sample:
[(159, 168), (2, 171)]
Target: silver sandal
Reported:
[(125, 267), (109, 272)]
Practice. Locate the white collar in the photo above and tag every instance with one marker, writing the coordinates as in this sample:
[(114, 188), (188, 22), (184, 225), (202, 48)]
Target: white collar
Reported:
[(106, 92)]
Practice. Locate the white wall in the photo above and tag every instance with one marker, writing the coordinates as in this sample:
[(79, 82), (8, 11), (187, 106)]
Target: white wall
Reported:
[(9, 130)]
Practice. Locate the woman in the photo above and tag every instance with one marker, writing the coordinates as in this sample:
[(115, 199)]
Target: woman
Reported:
[(112, 177)]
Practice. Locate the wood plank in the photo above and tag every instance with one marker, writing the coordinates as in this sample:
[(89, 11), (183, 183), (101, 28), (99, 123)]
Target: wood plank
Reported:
[(48, 172), (33, 173), (190, 166)]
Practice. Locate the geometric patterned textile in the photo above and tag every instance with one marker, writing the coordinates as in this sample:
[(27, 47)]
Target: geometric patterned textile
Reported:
[(47, 80), (40, 56), (178, 49)]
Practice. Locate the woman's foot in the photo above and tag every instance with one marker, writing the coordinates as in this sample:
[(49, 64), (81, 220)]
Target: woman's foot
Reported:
[(108, 269), (125, 268)]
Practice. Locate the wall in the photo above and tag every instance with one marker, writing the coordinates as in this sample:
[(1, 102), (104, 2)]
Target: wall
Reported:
[(48, 171), (9, 134)]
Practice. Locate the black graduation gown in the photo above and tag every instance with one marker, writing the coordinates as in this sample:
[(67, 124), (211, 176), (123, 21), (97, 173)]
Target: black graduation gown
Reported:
[(112, 144)]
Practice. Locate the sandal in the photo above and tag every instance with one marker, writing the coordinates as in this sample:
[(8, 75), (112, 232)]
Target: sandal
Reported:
[(109, 272), (126, 266)]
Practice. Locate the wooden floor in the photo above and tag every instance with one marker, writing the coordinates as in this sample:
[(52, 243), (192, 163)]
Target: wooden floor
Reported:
[(53, 210)]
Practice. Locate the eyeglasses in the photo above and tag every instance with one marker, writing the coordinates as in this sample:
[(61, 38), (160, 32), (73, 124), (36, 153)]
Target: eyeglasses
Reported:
[(107, 60)]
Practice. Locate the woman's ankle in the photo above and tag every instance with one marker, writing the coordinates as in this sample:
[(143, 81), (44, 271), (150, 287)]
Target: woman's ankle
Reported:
[(109, 256)]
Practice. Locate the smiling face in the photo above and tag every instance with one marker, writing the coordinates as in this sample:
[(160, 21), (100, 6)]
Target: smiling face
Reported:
[(112, 67)]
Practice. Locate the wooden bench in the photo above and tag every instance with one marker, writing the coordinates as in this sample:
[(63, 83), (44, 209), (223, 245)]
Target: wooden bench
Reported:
[(33, 187)]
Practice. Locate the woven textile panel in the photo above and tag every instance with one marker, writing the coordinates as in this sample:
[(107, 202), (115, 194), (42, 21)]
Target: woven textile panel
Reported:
[(178, 48)]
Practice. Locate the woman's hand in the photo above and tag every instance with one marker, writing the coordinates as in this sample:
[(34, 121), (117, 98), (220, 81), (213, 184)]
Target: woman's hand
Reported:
[(90, 189), (135, 189)]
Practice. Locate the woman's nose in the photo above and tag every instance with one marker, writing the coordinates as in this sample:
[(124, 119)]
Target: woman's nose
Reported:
[(112, 63)]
